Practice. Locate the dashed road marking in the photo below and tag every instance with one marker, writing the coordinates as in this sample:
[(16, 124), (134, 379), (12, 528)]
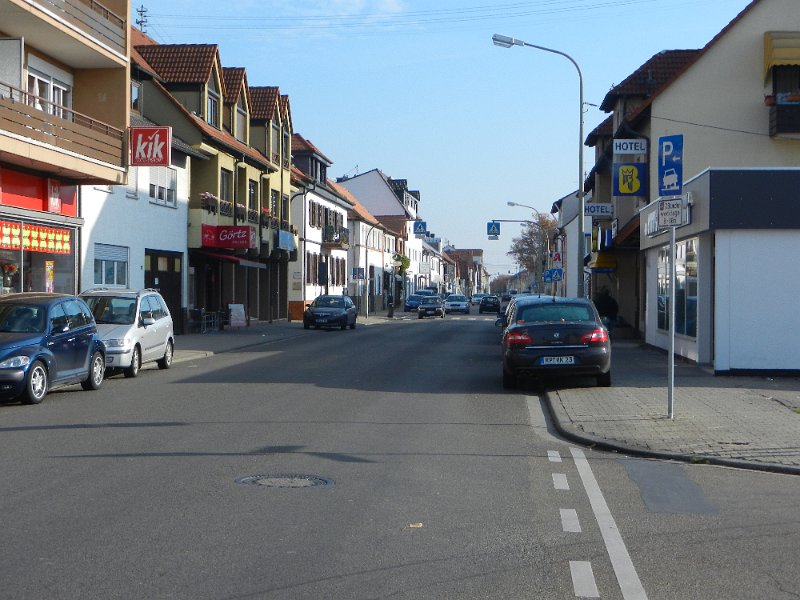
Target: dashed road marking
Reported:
[(569, 520), (560, 481), (583, 579), (553, 456), (628, 579)]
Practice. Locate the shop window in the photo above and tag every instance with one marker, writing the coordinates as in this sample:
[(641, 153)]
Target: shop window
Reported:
[(163, 184), (686, 288)]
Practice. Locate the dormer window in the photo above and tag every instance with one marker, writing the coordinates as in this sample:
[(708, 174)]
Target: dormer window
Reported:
[(275, 143), (241, 120), (212, 105)]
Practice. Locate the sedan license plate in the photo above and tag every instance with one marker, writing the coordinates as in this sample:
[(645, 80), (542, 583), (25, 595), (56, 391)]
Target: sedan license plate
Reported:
[(322, 320), (558, 360)]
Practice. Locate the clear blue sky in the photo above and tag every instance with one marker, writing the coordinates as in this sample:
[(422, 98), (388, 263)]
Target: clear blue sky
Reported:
[(417, 89)]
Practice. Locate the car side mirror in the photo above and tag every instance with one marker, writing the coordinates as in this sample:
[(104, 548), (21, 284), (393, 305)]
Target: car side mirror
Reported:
[(147, 321), (500, 322)]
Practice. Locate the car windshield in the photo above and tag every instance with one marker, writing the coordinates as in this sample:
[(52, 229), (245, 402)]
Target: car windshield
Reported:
[(22, 318), (112, 310), (541, 313), (431, 300), (414, 298), (456, 299), (328, 302)]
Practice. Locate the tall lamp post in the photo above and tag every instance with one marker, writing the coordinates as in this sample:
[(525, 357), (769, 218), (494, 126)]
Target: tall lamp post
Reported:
[(507, 42)]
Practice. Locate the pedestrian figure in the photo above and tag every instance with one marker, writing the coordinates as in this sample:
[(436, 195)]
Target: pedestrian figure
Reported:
[(607, 307)]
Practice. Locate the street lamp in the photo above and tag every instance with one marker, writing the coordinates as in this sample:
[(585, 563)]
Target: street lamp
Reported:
[(507, 42)]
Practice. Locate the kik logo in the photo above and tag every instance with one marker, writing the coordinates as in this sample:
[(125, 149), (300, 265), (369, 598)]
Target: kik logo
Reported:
[(150, 146)]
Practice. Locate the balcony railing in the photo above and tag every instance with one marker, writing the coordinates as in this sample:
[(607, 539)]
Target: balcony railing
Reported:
[(784, 119), (38, 119), (93, 18), (335, 237)]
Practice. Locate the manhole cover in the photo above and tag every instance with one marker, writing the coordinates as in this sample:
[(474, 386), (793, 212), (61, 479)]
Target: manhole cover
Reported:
[(285, 480)]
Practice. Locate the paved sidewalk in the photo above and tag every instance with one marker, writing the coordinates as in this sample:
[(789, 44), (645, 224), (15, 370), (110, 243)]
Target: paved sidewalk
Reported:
[(743, 421)]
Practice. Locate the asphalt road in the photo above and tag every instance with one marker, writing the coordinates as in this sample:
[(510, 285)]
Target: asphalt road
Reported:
[(431, 482)]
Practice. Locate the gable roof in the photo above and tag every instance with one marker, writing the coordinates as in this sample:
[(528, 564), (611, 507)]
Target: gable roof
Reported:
[(300, 146), (264, 102), (358, 212), (235, 79), (181, 63)]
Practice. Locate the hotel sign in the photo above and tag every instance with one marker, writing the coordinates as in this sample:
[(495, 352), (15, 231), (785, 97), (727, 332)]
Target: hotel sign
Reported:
[(151, 146)]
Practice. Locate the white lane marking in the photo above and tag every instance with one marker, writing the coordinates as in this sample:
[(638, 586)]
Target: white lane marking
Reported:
[(569, 520), (583, 579), (553, 456), (628, 580), (560, 481)]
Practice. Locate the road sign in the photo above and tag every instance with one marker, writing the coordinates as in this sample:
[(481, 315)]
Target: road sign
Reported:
[(493, 228), (558, 274), (420, 227), (670, 165), (358, 274), (547, 275), (670, 213)]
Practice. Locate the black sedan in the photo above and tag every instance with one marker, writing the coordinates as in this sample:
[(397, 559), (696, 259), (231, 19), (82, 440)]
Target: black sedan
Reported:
[(489, 304), (47, 341), (330, 310), (554, 336), (431, 306)]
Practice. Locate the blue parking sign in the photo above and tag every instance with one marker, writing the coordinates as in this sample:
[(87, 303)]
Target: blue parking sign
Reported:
[(670, 165)]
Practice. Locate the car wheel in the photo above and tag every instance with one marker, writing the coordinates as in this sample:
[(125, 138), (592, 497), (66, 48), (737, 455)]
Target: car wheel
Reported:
[(165, 362), (420, 316), (604, 379), (136, 362), (344, 324), (36, 385), (509, 380), (353, 326), (97, 367), (306, 325)]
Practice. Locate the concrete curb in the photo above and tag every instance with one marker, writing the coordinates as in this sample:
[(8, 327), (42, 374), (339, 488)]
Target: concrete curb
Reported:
[(560, 417)]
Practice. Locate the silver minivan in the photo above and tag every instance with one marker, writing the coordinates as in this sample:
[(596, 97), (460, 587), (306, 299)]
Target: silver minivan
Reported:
[(136, 327)]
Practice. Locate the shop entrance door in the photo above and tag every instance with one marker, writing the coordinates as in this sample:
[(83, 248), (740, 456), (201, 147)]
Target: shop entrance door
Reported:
[(163, 271)]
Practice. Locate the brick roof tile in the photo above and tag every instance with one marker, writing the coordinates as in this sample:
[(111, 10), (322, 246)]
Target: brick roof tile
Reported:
[(264, 102), (181, 63)]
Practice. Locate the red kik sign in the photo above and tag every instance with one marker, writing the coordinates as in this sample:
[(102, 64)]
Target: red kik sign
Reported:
[(151, 146)]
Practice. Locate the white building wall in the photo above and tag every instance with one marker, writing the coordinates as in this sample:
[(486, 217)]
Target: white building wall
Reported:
[(749, 264), (125, 216)]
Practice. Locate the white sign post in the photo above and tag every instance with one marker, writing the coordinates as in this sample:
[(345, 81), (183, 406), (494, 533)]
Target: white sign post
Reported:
[(671, 213)]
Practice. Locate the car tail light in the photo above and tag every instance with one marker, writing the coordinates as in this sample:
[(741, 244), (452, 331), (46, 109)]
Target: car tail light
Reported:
[(598, 336), (517, 338)]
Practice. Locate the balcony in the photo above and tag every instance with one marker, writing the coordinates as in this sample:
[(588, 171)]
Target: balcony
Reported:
[(784, 120), (59, 136), (335, 238), (81, 33)]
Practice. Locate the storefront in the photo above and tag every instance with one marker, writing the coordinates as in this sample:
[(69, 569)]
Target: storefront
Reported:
[(735, 261), (38, 233)]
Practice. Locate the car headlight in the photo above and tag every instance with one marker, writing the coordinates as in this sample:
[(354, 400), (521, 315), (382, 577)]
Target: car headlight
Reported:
[(116, 343), (15, 362)]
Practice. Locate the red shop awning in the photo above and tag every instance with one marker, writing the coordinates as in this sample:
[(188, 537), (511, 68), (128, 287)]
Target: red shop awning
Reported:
[(237, 259)]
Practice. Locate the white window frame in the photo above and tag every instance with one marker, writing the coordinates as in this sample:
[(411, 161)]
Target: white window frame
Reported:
[(58, 85), (163, 186), (114, 260)]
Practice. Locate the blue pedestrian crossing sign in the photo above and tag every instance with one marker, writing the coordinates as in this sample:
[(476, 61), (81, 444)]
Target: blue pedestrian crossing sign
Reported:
[(551, 275), (493, 228), (420, 227)]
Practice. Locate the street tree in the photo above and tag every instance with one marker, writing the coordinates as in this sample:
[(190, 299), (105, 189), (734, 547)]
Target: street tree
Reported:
[(531, 250)]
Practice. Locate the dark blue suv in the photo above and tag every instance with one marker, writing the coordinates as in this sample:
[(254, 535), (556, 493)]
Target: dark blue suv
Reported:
[(47, 341)]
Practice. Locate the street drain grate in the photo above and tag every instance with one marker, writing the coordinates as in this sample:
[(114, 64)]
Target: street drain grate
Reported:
[(285, 480)]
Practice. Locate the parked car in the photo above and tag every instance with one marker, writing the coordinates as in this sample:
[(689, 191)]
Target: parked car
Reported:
[(476, 299), (412, 303), (136, 327), (554, 336), (47, 341), (431, 306), (330, 310), (456, 303), (489, 304)]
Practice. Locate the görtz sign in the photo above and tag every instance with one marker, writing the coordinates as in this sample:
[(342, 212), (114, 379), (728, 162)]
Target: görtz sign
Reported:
[(151, 146), (635, 146), (229, 236)]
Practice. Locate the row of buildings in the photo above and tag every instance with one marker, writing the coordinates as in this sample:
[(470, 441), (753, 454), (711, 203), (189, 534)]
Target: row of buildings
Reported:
[(735, 104), (128, 163)]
